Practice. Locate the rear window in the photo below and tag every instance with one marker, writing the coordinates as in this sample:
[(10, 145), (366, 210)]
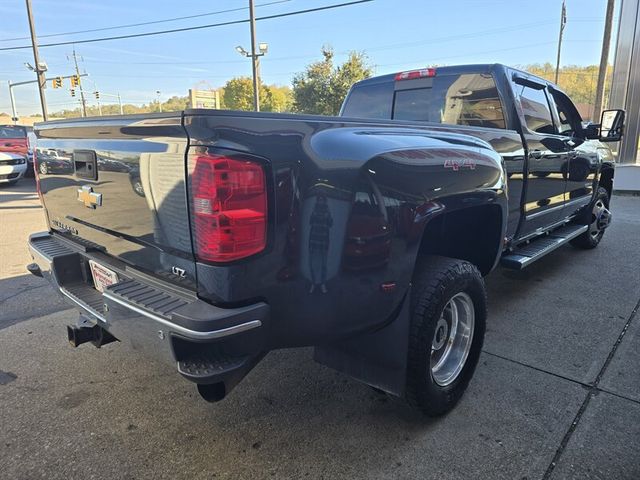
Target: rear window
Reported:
[(467, 99), (11, 131), (369, 101)]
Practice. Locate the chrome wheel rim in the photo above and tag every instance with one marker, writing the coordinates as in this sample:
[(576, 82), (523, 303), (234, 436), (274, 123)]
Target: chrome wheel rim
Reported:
[(600, 218), (452, 339), (43, 168)]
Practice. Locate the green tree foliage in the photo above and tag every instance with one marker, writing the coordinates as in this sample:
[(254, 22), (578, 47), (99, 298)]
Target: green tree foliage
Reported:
[(238, 95), (322, 87), (281, 98), (175, 104)]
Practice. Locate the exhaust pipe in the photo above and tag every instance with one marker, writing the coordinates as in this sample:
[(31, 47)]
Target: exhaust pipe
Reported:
[(77, 335)]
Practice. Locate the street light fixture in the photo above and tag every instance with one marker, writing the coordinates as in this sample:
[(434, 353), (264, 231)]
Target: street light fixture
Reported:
[(262, 49), (42, 67)]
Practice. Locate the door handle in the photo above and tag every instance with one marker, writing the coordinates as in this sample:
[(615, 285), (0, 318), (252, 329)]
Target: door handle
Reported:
[(536, 154)]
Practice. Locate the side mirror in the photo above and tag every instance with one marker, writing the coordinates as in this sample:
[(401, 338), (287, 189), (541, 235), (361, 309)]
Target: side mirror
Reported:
[(611, 125), (590, 131)]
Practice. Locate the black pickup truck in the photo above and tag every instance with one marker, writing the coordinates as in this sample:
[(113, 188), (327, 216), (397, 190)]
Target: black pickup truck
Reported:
[(211, 237)]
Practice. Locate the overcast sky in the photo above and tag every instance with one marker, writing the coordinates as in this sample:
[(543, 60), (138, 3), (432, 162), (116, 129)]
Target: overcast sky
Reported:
[(396, 35)]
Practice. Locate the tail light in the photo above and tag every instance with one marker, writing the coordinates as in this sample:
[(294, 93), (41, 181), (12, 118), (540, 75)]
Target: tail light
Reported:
[(228, 198), (412, 74)]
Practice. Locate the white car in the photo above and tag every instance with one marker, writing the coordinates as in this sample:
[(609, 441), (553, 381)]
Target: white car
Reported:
[(12, 167)]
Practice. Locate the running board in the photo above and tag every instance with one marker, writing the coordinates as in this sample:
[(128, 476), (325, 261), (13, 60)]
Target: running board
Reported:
[(528, 253)]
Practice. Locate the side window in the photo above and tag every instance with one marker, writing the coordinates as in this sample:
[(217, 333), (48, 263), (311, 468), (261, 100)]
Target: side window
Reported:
[(473, 100), (535, 108), (568, 116), (369, 101)]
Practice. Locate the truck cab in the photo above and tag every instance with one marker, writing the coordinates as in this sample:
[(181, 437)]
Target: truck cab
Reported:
[(553, 164)]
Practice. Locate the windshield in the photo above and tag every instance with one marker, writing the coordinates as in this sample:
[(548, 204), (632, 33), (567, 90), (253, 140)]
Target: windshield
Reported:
[(12, 131)]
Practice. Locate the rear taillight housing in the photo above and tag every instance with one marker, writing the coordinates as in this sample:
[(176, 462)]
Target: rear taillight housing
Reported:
[(228, 202)]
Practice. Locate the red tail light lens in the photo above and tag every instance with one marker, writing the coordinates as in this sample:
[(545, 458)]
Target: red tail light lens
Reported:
[(228, 207), (412, 74)]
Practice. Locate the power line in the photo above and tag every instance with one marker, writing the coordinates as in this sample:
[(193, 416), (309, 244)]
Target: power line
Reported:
[(185, 29), (344, 52), (173, 19)]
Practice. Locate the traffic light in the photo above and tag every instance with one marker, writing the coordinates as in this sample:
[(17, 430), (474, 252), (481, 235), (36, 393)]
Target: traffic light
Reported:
[(73, 92), (75, 81), (57, 82), (97, 94)]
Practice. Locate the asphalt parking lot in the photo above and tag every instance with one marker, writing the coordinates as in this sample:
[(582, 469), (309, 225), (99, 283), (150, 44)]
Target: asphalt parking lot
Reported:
[(556, 394)]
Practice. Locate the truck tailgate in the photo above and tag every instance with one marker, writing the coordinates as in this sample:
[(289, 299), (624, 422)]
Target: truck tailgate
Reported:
[(118, 185)]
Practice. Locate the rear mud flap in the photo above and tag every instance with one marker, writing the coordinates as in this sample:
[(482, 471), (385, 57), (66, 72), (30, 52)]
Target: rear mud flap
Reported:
[(378, 358)]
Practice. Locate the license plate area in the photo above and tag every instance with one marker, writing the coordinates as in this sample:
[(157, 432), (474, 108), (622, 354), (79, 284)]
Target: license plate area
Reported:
[(103, 277)]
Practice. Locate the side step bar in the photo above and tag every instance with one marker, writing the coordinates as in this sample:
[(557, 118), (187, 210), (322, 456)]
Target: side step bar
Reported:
[(528, 253)]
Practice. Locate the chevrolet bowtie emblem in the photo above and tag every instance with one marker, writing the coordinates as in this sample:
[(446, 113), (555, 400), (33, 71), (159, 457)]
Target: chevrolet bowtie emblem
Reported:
[(90, 198)]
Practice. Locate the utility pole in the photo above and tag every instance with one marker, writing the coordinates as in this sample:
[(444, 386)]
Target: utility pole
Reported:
[(38, 67), (604, 60), (82, 99), (254, 59), (120, 103), (13, 104), (563, 21)]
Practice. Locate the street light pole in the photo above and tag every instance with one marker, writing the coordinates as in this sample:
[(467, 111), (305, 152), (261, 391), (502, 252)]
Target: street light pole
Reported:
[(36, 58), (254, 59), (13, 104)]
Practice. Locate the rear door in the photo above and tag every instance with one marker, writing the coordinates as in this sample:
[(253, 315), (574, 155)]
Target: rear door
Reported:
[(547, 159), (118, 186)]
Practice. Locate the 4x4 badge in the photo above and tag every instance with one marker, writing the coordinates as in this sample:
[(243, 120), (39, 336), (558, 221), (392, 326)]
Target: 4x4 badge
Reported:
[(90, 198)]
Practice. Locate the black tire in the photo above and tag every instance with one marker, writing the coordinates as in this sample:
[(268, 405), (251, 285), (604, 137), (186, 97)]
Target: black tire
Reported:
[(436, 281), (42, 168), (592, 237)]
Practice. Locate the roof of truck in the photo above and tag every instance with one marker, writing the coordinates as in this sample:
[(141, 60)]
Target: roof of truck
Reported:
[(453, 70)]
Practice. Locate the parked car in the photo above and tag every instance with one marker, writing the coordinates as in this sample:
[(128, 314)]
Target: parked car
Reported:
[(51, 162), (12, 168), (366, 236)]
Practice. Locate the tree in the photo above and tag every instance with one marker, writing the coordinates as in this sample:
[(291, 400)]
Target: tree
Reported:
[(281, 98), (322, 87), (175, 104), (238, 95)]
